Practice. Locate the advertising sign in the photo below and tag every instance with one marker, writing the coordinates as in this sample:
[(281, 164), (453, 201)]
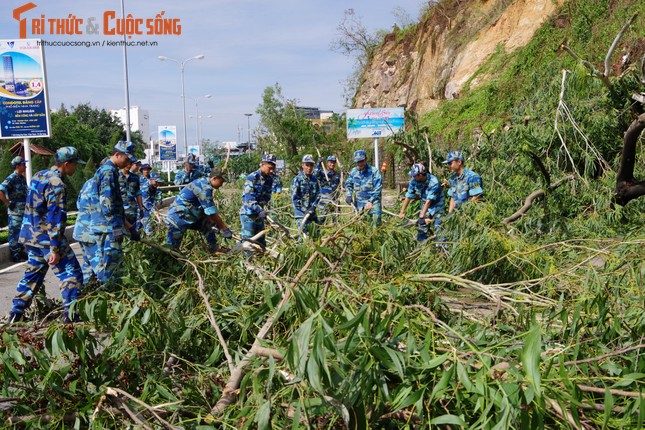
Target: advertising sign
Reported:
[(279, 164), (23, 91), (168, 143), (194, 150), (374, 122)]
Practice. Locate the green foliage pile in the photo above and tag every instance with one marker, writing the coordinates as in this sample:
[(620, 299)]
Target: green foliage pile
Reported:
[(532, 324), (496, 331)]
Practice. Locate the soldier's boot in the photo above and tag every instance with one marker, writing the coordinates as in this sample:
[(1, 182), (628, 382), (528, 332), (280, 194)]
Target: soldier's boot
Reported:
[(15, 317)]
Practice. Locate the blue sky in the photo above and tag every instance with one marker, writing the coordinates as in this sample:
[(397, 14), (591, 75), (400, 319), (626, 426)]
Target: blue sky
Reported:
[(248, 45)]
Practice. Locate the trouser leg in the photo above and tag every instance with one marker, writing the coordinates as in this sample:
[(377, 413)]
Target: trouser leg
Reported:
[(32, 280), (69, 272), (16, 249)]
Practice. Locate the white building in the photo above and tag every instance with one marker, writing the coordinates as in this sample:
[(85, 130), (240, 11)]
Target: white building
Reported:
[(139, 120)]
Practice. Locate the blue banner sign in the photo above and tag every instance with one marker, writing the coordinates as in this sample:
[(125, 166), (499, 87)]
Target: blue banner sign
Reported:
[(24, 111)]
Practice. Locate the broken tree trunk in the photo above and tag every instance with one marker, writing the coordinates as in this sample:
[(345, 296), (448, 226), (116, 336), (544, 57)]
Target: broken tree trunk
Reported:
[(627, 188)]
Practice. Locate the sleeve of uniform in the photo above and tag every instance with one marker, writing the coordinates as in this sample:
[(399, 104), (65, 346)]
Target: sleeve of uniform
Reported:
[(158, 197), (349, 185), (451, 190), (317, 191), (55, 200), (179, 178), (474, 185), (296, 194), (4, 186), (377, 187), (136, 185), (107, 187), (205, 196), (433, 190), (249, 200), (277, 184), (411, 193)]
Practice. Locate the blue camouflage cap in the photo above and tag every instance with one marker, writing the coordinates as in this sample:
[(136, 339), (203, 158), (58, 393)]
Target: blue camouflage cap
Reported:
[(156, 176), (308, 158), (331, 158), (359, 155), (127, 148), (146, 166), (268, 158), (17, 161), (417, 169), (67, 154), (453, 156)]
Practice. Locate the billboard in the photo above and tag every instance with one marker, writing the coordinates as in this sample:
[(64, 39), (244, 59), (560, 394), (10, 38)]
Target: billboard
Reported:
[(168, 143), (374, 122), (23, 91), (194, 150)]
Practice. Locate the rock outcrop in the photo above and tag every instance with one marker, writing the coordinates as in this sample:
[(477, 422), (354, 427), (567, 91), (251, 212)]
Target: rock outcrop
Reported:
[(417, 69)]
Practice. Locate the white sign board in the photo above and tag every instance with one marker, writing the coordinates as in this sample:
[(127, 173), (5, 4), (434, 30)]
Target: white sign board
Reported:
[(374, 122)]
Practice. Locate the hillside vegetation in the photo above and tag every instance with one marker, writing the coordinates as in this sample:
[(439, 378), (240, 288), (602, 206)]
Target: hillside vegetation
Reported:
[(536, 323)]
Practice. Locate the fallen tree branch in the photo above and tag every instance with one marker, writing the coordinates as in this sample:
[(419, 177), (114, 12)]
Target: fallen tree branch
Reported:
[(602, 357), (211, 315), (229, 393), (117, 393), (528, 202)]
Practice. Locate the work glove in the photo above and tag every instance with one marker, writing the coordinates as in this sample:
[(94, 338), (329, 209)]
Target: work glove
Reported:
[(262, 215), (134, 234), (349, 200), (227, 233), (421, 222), (12, 206)]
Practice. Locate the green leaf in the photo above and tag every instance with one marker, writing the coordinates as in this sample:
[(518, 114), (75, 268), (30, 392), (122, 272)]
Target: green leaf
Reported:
[(263, 416), (58, 344), (448, 419), (531, 359)]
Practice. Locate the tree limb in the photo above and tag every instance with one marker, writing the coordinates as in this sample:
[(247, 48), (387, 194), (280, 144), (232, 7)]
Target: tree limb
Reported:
[(529, 200), (615, 43), (627, 188)]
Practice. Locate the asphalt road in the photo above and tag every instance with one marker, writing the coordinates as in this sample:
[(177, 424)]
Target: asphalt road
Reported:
[(10, 275)]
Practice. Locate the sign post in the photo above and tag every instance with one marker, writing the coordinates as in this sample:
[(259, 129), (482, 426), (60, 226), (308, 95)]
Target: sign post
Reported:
[(374, 123), (24, 111)]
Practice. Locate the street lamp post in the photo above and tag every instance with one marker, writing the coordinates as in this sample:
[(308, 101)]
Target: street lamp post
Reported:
[(248, 127), (183, 93)]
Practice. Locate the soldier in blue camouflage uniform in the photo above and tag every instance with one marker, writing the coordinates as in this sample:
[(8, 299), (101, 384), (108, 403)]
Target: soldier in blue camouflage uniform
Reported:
[(464, 183), (130, 187), (426, 187), (329, 180), (305, 193), (151, 196), (256, 197), (365, 182), (86, 203), (194, 209), (190, 173), (13, 193), (107, 222), (43, 234)]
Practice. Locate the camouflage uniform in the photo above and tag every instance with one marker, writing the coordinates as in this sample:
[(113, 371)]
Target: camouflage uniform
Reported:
[(277, 184), (465, 186), (42, 233), (107, 223), (130, 189), (305, 194), (184, 178), (15, 189), (368, 186), (189, 212), (430, 189), (328, 191), (86, 204), (255, 198), (151, 197)]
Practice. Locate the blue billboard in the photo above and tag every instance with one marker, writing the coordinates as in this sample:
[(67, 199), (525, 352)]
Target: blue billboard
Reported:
[(24, 111)]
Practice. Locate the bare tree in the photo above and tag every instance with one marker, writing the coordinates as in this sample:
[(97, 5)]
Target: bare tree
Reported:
[(354, 40)]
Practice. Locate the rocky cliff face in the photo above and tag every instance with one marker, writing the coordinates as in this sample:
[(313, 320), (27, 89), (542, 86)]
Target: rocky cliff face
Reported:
[(447, 50)]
